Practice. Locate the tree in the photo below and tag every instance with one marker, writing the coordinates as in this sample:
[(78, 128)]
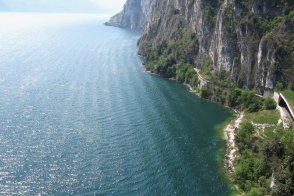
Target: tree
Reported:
[(244, 136), (249, 170), (233, 97), (250, 102)]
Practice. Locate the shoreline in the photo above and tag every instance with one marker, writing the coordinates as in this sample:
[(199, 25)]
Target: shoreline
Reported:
[(231, 148), (228, 131), (172, 79)]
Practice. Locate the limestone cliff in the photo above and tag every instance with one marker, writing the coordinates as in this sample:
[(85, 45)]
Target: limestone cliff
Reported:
[(250, 40)]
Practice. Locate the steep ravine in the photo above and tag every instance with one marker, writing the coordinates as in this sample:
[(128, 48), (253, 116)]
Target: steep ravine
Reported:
[(252, 41)]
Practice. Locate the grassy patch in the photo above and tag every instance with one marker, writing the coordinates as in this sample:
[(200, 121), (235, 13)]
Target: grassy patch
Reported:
[(289, 95), (264, 117)]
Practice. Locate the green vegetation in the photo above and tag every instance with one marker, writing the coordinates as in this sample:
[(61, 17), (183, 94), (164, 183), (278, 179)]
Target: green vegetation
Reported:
[(280, 41), (230, 25), (205, 92), (291, 86), (269, 104), (236, 98), (264, 117), (209, 13), (218, 78), (255, 165), (233, 97), (263, 152), (214, 93), (267, 25), (185, 73), (278, 37), (244, 100), (174, 59), (244, 136), (260, 158), (260, 140), (279, 86), (207, 70), (250, 102)]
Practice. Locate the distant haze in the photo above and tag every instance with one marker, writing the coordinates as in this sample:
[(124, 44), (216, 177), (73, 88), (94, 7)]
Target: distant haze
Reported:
[(71, 6)]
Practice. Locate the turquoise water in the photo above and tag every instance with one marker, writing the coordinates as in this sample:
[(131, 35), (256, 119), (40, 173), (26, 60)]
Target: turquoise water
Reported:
[(78, 116)]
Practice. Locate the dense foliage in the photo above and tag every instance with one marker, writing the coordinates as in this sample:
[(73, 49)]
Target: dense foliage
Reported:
[(267, 25), (174, 58), (265, 160), (269, 104), (261, 159), (185, 73)]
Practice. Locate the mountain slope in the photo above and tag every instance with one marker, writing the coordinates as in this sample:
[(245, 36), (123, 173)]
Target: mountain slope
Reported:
[(250, 41)]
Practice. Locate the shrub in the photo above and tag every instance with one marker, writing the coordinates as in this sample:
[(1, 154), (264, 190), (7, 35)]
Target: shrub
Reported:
[(250, 102), (207, 68), (233, 97), (291, 86), (205, 92), (269, 104), (279, 86), (244, 136), (248, 170)]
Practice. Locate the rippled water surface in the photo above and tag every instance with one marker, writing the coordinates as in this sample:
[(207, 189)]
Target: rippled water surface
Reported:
[(78, 116)]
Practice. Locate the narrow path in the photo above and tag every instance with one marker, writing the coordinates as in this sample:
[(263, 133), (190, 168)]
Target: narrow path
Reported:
[(200, 76), (285, 117), (231, 145)]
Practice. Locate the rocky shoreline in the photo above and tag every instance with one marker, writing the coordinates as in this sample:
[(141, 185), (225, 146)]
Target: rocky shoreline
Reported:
[(229, 131), (231, 144)]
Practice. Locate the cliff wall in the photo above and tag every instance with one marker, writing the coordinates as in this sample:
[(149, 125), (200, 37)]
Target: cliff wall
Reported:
[(251, 41)]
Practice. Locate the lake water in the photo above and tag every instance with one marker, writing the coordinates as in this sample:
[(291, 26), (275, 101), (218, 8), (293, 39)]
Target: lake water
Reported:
[(78, 116)]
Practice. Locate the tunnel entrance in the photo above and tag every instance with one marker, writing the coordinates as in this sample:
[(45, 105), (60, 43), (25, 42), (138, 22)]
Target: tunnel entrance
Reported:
[(283, 104)]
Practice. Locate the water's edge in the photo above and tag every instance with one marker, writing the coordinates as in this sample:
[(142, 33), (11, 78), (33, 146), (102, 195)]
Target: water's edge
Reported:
[(79, 116), (220, 130)]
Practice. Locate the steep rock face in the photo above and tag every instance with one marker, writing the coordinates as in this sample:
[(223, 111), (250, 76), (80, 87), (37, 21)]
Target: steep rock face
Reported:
[(135, 15), (251, 40), (131, 16), (275, 59)]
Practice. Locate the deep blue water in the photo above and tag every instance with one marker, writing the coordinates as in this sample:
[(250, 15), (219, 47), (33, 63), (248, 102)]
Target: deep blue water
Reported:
[(78, 116)]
